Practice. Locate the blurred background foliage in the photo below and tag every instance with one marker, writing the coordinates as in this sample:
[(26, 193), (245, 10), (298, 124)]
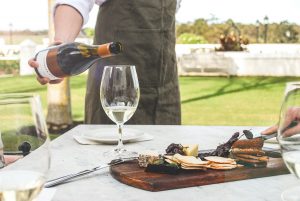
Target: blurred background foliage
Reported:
[(209, 31), (200, 31), (190, 38)]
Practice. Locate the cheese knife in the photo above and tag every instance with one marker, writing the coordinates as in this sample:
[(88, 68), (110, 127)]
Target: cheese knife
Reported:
[(63, 179)]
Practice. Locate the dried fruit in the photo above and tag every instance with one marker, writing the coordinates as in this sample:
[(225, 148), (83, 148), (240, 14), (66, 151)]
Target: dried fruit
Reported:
[(223, 149), (25, 148), (175, 149), (248, 134)]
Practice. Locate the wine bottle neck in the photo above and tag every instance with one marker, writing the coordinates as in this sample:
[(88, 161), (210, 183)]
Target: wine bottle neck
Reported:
[(104, 51), (109, 49)]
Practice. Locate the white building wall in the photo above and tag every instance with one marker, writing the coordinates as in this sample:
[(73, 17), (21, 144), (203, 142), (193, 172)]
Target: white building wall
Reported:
[(257, 60)]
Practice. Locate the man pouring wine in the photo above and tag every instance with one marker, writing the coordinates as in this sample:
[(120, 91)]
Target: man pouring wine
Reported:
[(147, 31)]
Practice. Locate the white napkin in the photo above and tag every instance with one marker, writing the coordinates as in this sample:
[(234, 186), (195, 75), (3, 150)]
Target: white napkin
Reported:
[(46, 194), (271, 141), (85, 141), (272, 145)]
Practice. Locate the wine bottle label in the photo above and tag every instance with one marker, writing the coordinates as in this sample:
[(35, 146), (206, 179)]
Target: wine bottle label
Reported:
[(43, 69)]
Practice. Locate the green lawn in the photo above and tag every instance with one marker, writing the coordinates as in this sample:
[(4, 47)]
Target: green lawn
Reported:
[(205, 100), (232, 101)]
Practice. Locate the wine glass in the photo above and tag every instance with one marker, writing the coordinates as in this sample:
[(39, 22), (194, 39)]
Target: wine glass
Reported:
[(290, 86), (24, 147), (119, 95), (289, 138)]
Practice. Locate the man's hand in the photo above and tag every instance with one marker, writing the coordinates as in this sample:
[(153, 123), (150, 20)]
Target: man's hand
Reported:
[(67, 23), (270, 130), (292, 117), (43, 80)]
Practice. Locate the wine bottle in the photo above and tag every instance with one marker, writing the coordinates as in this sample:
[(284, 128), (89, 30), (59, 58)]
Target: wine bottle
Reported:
[(72, 58)]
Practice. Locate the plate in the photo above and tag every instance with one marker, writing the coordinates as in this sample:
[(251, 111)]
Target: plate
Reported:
[(272, 141), (110, 135)]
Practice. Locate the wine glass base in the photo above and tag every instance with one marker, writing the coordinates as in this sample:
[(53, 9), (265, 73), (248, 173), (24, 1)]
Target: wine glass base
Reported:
[(291, 194), (119, 153)]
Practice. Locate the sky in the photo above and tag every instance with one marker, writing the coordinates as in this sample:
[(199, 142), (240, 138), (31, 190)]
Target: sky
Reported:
[(32, 14)]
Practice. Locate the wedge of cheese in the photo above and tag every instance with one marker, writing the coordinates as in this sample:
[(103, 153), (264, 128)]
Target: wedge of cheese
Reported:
[(190, 149), (147, 157)]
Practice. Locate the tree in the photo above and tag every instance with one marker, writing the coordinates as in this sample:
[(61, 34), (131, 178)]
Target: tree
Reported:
[(200, 27), (89, 32), (189, 38), (287, 33), (211, 30), (59, 115), (183, 28)]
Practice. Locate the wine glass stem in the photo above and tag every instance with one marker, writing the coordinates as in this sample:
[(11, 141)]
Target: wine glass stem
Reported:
[(120, 141)]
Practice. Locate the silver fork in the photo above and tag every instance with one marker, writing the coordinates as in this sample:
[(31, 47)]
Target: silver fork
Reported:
[(63, 179)]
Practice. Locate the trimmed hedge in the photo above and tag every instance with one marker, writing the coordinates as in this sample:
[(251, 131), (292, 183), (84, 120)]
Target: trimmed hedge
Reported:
[(9, 67)]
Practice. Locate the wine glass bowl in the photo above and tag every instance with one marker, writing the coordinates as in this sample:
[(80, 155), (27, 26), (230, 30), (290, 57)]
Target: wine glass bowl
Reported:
[(119, 95), (289, 138), (290, 86), (24, 147)]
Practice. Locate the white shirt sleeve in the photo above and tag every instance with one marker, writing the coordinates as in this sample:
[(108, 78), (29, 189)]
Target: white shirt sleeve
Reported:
[(82, 6), (99, 2)]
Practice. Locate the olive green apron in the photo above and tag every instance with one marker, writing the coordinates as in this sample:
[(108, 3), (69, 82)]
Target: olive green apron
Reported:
[(147, 30)]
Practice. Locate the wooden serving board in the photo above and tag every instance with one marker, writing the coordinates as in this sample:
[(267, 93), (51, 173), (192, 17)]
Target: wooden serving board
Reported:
[(131, 174)]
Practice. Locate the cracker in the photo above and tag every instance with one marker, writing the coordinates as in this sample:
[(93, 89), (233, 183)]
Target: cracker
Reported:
[(218, 159), (168, 157), (239, 165), (170, 161), (257, 143), (249, 160), (194, 165), (193, 168), (190, 160), (223, 167), (259, 158), (172, 158), (248, 151)]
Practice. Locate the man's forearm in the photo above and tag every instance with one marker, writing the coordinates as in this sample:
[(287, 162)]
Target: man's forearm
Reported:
[(67, 23)]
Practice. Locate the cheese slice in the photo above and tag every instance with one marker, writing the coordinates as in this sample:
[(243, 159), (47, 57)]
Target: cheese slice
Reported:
[(191, 160), (147, 157), (191, 149)]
